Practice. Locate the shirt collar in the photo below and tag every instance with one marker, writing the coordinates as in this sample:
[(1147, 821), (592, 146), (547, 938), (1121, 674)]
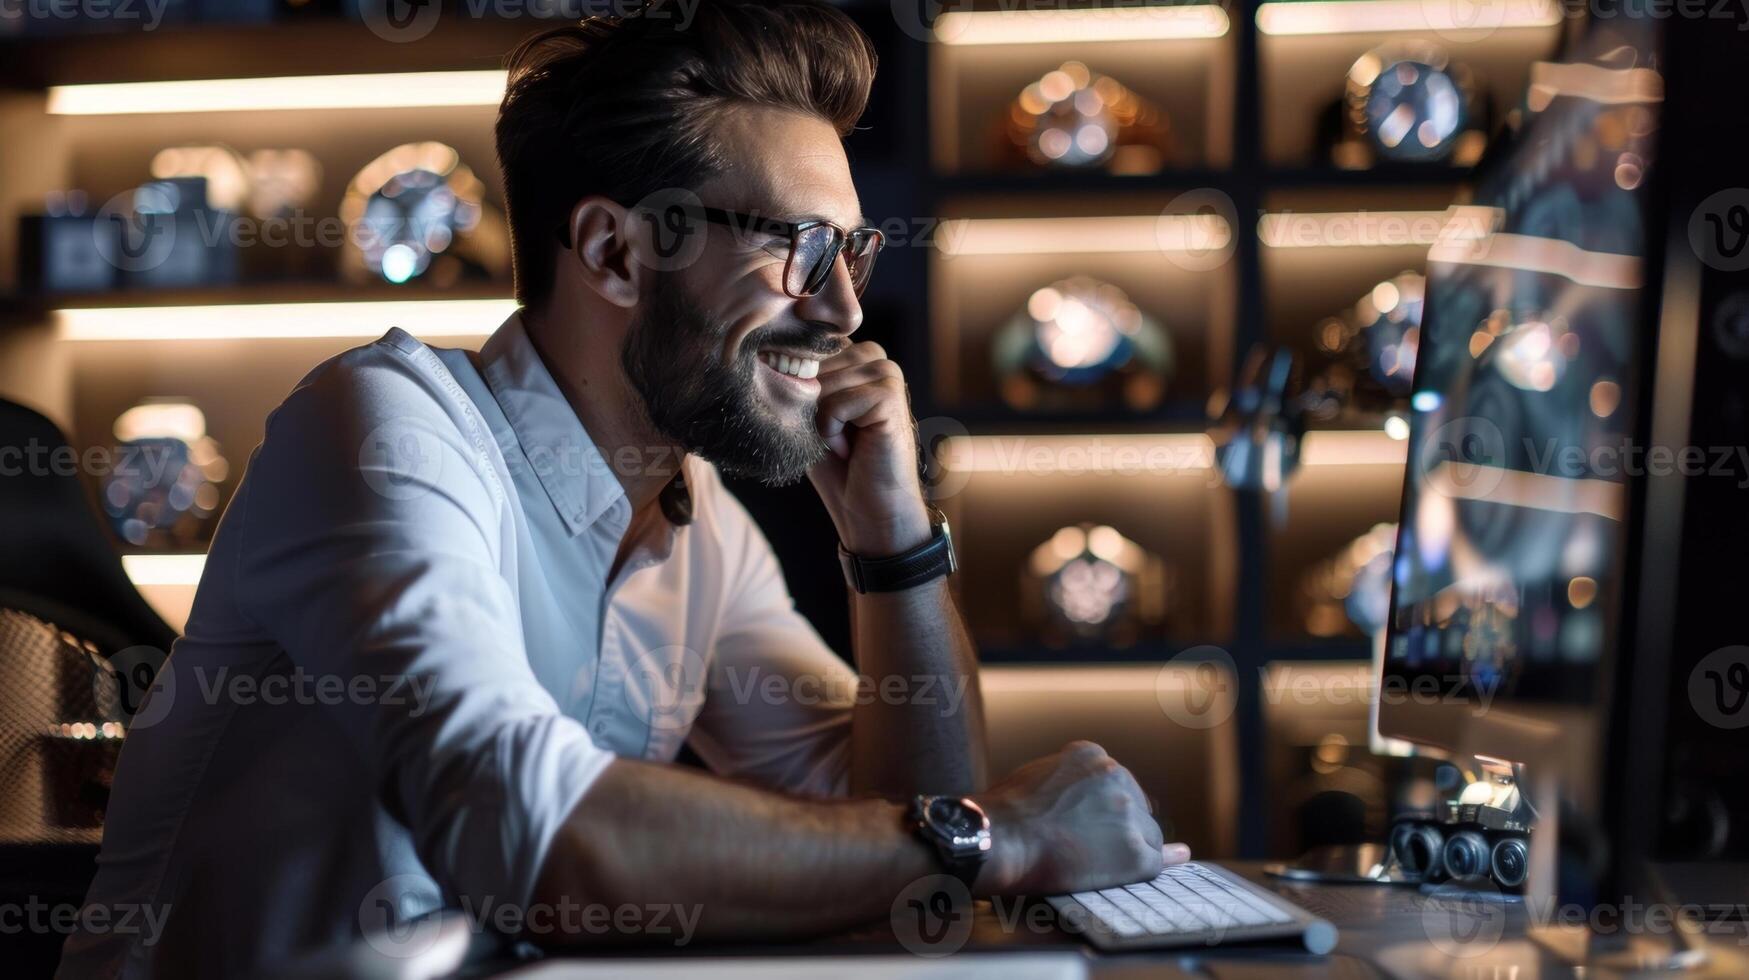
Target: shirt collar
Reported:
[(575, 474)]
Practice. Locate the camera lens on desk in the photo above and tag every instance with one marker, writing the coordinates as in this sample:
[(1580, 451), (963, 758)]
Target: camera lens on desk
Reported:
[(1467, 855), (1511, 862)]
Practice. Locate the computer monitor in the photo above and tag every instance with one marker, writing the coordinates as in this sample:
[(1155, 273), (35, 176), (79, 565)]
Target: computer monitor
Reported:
[(1507, 587), (1511, 579)]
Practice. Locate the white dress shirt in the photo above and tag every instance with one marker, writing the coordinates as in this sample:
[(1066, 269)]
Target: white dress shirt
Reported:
[(406, 663)]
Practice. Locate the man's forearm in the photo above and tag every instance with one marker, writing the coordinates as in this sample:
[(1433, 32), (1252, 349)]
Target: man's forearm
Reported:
[(741, 861), (919, 728)]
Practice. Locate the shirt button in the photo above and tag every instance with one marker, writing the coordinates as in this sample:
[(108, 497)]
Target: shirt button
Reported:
[(600, 728)]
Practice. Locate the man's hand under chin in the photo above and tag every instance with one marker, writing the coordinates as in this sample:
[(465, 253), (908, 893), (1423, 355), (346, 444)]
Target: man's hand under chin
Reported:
[(869, 480)]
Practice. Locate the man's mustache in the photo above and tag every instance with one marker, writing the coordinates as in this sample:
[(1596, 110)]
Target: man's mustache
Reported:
[(813, 339)]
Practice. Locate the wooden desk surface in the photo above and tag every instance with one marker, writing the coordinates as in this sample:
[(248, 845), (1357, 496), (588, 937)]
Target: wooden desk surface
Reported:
[(1411, 934)]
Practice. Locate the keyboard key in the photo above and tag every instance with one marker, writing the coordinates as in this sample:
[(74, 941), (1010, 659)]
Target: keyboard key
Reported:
[(1174, 913), (1263, 904), (1135, 909), (1109, 915), (1227, 902)]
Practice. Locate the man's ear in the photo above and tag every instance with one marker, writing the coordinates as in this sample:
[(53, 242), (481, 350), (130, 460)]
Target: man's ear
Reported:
[(605, 249)]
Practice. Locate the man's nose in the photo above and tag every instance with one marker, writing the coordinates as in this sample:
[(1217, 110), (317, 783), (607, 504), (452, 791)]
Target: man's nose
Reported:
[(835, 305)]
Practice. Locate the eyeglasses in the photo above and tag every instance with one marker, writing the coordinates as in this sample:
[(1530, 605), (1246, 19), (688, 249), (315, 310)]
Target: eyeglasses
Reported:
[(814, 246)]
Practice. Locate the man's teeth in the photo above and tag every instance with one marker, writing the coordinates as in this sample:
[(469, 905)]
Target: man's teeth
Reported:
[(800, 367)]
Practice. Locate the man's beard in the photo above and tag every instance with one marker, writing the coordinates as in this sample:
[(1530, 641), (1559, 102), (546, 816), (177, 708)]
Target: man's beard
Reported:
[(673, 357)]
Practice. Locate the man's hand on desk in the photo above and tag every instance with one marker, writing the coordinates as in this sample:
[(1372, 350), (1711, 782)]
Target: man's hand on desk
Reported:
[(1069, 822)]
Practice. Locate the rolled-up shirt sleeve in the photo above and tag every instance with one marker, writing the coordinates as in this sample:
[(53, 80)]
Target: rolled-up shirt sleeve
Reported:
[(778, 701), (373, 540)]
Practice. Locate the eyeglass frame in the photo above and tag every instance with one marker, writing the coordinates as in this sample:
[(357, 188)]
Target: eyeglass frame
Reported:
[(747, 221)]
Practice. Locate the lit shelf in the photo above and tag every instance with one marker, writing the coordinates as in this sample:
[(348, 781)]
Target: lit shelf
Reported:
[(1123, 453), (167, 583), (467, 318), (1083, 25), (1464, 19), (1194, 233), (1374, 229), (379, 91), (164, 569)]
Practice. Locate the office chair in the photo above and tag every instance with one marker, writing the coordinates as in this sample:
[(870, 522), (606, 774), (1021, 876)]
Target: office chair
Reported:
[(66, 609)]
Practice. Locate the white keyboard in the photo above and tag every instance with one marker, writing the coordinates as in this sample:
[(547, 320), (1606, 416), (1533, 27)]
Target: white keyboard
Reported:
[(1189, 904)]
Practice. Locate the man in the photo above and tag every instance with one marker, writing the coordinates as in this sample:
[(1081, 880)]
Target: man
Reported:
[(496, 593)]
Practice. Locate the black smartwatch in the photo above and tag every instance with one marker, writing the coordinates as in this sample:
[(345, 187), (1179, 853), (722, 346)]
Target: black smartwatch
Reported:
[(957, 829), (929, 560)]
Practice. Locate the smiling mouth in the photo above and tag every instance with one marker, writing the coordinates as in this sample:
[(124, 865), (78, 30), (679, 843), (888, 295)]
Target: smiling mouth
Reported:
[(792, 365)]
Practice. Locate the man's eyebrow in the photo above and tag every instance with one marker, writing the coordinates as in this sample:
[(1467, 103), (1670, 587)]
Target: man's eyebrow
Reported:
[(797, 218)]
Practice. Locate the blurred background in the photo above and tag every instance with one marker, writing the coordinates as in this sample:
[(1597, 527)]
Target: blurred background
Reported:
[(1153, 272)]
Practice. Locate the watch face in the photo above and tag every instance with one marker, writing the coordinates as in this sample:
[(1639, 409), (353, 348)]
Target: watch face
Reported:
[(956, 819)]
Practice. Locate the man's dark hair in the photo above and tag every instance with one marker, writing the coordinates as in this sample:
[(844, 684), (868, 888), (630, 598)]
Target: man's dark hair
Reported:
[(624, 106)]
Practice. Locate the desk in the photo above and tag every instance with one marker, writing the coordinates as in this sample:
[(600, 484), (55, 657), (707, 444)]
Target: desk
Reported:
[(1385, 931)]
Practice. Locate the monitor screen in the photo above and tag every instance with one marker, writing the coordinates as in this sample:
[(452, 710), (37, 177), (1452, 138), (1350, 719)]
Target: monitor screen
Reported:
[(1507, 582)]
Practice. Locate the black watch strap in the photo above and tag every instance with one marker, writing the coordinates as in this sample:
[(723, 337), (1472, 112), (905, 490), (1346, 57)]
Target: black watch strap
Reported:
[(929, 560)]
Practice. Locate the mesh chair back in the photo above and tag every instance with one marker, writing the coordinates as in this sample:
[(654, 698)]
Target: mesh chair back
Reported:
[(61, 727)]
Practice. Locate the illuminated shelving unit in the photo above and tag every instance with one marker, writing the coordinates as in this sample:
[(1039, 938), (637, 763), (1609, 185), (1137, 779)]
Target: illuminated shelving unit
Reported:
[(1243, 84)]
